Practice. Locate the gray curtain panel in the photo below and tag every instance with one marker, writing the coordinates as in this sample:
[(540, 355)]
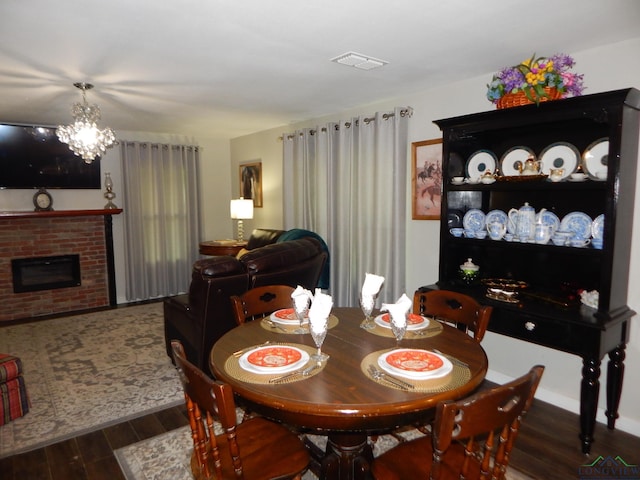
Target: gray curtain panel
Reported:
[(161, 217), (347, 182)]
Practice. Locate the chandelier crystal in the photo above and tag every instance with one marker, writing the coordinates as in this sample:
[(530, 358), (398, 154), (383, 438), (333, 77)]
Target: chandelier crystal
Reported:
[(84, 137)]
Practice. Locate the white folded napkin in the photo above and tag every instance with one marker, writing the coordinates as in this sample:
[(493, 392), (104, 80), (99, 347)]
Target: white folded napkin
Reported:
[(372, 284), (320, 311), (398, 311), (301, 297)]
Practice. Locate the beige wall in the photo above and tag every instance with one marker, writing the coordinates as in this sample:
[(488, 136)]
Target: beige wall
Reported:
[(508, 358)]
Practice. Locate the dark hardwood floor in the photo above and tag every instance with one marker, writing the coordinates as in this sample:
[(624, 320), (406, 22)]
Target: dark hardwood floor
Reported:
[(90, 456), (547, 448)]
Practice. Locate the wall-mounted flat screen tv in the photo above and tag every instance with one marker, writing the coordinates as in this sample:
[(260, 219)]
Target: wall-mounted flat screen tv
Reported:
[(33, 157)]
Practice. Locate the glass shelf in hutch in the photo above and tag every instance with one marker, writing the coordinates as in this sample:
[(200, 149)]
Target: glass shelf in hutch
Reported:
[(599, 134)]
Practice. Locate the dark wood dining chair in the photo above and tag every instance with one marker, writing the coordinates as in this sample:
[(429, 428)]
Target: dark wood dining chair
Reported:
[(472, 438), (259, 301), (454, 308), (255, 449)]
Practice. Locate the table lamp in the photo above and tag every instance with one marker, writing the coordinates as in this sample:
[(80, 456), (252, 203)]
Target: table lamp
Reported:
[(241, 209)]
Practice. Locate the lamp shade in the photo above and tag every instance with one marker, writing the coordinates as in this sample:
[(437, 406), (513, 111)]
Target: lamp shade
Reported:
[(241, 208)]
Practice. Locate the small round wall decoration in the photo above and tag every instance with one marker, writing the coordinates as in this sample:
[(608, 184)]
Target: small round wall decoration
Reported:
[(43, 201)]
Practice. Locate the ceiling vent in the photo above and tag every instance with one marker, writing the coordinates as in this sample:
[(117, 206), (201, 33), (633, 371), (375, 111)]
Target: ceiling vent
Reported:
[(363, 62)]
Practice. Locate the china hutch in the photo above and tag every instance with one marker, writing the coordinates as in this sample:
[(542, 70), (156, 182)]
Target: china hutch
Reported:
[(547, 278)]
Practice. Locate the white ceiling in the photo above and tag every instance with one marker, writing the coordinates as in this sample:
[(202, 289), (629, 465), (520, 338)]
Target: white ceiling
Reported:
[(225, 68)]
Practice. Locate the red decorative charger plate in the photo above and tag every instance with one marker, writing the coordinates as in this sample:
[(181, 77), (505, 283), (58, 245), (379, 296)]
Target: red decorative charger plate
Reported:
[(415, 363)]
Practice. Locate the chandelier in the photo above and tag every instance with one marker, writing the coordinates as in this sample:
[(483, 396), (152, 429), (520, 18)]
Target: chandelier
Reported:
[(84, 137)]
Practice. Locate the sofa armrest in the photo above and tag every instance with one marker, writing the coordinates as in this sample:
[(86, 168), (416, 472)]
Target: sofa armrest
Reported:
[(180, 323)]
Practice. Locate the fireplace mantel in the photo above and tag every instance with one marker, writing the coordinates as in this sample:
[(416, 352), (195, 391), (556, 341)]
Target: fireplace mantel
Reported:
[(59, 213)]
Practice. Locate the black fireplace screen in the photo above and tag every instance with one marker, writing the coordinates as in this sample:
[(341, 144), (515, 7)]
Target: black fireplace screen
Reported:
[(45, 273)]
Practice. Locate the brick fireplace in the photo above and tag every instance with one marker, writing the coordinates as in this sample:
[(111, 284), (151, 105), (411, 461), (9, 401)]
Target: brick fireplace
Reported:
[(86, 233)]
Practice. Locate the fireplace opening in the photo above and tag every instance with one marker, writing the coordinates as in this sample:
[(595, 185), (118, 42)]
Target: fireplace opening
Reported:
[(45, 273)]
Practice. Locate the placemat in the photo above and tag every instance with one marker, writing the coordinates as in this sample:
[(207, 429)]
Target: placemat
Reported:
[(433, 329), (233, 368), (458, 376), (291, 329)]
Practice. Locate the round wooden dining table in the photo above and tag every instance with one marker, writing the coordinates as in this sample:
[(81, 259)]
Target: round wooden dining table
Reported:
[(341, 400)]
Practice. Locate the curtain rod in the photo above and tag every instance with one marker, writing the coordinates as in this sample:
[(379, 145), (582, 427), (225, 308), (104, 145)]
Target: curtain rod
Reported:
[(164, 146), (408, 111)]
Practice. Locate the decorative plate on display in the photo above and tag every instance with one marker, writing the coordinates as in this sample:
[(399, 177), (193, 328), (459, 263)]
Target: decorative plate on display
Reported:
[(597, 227), (473, 219), (496, 216), (504, 283), (454, 219), (479, 162), (456, 165), (509, 161), (273, 359), (560, 155), (596, 158), (551, 219), (286, 316), (577, 222), (500, 295), (414, 363), (414, 322)]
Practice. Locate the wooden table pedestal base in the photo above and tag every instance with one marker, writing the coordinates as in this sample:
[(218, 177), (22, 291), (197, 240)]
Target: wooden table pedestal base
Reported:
[(348, 457)]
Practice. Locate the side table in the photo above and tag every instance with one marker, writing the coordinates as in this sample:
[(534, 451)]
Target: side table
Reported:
[(221, 247)]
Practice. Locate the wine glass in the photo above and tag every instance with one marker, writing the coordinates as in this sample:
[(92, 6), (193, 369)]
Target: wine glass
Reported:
[(367, 302), (398, 331), (302, 311), (318, 333)]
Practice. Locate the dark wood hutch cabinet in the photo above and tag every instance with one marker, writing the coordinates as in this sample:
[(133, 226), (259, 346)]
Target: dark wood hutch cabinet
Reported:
[(547, 312)]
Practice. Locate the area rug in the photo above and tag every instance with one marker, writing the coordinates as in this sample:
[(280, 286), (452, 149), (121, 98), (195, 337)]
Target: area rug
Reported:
[(86, 372), (167, 456)]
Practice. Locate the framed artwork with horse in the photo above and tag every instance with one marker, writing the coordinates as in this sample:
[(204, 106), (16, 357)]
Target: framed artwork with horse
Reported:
[(426, 179)]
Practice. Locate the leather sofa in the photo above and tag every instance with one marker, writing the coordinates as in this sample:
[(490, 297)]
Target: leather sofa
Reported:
[(201, 316)]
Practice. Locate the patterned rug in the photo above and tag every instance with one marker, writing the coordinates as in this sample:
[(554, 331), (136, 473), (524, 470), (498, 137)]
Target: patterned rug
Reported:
[(167, 456), (89, 371)]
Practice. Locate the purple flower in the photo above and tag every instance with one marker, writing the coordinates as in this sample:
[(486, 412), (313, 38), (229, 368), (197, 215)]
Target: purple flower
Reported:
[(512, 78), (562, 62)]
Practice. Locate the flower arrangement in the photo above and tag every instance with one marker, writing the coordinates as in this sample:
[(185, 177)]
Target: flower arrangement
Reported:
[(539, 79)]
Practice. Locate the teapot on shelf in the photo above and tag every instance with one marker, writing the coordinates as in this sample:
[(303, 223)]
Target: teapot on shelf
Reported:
[(530, 166), (523, 221)]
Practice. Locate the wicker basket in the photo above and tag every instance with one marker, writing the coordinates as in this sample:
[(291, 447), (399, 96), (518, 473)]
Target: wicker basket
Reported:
[(517, 99)]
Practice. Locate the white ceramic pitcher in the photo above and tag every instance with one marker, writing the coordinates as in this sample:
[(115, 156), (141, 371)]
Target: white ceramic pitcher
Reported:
[(524, 222)]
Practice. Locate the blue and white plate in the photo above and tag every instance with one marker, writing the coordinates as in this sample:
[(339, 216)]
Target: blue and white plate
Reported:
[(577, 222), (481, 161), (597, 228), (496, 216), (549, 218), (473, 219)]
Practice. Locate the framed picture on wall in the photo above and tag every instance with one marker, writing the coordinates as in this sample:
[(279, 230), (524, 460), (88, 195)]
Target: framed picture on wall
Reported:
[(426, 179), (251, 182)]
